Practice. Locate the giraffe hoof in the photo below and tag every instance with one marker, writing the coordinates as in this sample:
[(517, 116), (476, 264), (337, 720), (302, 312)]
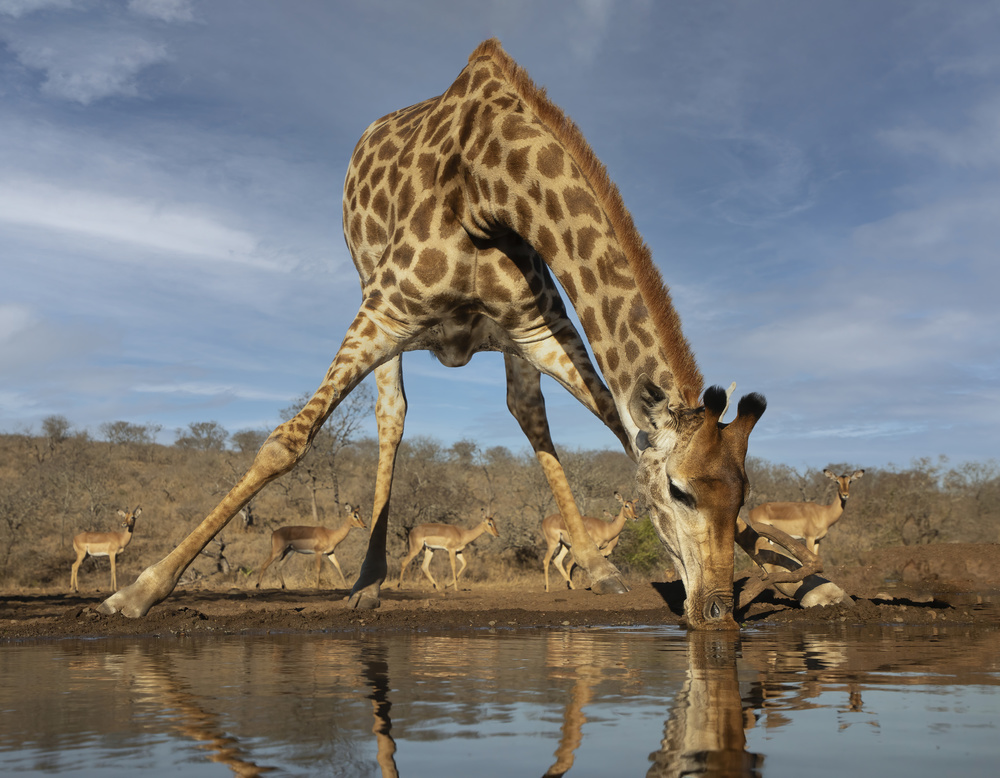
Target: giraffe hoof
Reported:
[(610, 585), (363, 601)]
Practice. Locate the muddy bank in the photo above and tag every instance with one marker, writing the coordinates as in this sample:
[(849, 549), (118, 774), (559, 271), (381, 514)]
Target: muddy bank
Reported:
[(945, 583)]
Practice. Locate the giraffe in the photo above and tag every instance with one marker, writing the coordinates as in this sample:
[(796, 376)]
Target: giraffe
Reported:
[(461, 213)]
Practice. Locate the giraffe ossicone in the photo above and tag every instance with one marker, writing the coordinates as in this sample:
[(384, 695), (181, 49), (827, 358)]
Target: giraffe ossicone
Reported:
[(464, 215)]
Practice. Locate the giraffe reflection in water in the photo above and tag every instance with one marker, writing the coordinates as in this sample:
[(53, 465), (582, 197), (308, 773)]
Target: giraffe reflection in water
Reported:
[(155, 680), (375, 671), (705, 732), (553, 702)]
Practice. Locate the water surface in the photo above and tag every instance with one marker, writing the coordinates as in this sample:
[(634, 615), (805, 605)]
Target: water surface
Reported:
[(581, 702)]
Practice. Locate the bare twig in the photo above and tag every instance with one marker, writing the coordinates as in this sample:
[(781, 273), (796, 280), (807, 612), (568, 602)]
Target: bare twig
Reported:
[(797, 564)]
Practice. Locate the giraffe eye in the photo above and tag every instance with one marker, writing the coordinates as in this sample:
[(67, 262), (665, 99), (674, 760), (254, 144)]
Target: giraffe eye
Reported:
[(679, 495)]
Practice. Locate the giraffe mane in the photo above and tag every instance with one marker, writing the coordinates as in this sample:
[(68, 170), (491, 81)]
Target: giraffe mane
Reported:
[(688, 380)]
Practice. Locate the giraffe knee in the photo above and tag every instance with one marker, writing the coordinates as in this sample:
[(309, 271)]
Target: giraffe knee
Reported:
[(280, 452)]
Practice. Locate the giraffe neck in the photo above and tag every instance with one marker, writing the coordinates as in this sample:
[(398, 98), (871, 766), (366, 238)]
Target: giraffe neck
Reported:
[(557, 195)]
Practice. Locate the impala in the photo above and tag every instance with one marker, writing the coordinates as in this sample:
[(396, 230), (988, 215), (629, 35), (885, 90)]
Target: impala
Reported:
[(109, 544), (447, 537), (807, 520), (311, 540), (604, 533)]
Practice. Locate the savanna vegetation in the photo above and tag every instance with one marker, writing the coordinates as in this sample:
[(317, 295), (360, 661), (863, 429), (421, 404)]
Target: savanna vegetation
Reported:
[(57, 481)]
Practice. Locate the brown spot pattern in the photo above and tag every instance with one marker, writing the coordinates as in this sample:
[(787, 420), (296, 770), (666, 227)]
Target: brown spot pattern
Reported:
[(550, 161), (431, 266), (491, 154)]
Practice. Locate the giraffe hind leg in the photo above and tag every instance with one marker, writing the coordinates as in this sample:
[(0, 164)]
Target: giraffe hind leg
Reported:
[(525, 402)]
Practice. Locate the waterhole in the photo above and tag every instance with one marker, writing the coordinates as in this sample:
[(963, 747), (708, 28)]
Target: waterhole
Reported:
[(580, 702)]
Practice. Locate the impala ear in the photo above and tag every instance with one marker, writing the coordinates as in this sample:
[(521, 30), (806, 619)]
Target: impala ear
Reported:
[(829, 474)]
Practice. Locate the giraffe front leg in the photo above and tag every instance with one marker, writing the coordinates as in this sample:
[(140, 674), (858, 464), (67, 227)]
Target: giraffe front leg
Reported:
[(390, 413), (525, 401), (280, 453)]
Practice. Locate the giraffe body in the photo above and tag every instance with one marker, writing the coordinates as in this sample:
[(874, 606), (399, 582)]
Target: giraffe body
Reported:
[(461, 213)]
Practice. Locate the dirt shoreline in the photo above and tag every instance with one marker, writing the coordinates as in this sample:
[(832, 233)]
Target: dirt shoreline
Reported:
[(918, 585)]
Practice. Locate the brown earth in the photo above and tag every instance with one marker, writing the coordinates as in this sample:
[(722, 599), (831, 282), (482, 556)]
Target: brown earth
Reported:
[(944, 583)]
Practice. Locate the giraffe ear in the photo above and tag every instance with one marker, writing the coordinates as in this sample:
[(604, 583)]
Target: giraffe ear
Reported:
[(649, 409)]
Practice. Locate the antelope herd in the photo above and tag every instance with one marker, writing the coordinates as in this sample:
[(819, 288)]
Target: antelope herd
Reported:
[(808, 522)]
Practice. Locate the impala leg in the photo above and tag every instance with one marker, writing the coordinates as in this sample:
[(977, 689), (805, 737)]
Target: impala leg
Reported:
[(280, 569), (319, 567), (333, 560), (545, 562), (114, 578), (525, 401), (390, 413), (567, 576), (426, 566), (406, 561), (461, 558), (274, 555), (74, 582)]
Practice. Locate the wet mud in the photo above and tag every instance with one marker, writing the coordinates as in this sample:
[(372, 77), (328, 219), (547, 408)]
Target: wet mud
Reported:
[(919, 585)]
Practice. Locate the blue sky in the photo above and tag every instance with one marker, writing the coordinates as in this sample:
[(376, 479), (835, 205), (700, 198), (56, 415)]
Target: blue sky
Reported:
[(818, 183)]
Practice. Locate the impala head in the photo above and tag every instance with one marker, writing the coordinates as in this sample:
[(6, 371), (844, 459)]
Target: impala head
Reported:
[(692, 476), (844, 482), (491, 525), (129, 517), (355, 514), (628, 507)]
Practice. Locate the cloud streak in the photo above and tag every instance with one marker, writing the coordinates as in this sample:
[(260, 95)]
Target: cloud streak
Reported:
[(817, 184), (171, 228)]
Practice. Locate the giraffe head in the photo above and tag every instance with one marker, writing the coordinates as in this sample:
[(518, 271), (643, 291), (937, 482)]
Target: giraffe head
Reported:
[(691, 473)]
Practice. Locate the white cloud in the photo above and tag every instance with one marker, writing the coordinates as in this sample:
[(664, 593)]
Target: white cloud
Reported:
[(975, 144), (964, 229), (86, 65), (197, 389), (13, 320), (174, 228), (164, 10), (769, 180), (591, 27), (865, 335), (19, 8)]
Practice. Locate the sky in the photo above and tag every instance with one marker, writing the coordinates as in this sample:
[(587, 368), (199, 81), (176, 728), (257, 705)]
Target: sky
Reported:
[(817, 181)]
